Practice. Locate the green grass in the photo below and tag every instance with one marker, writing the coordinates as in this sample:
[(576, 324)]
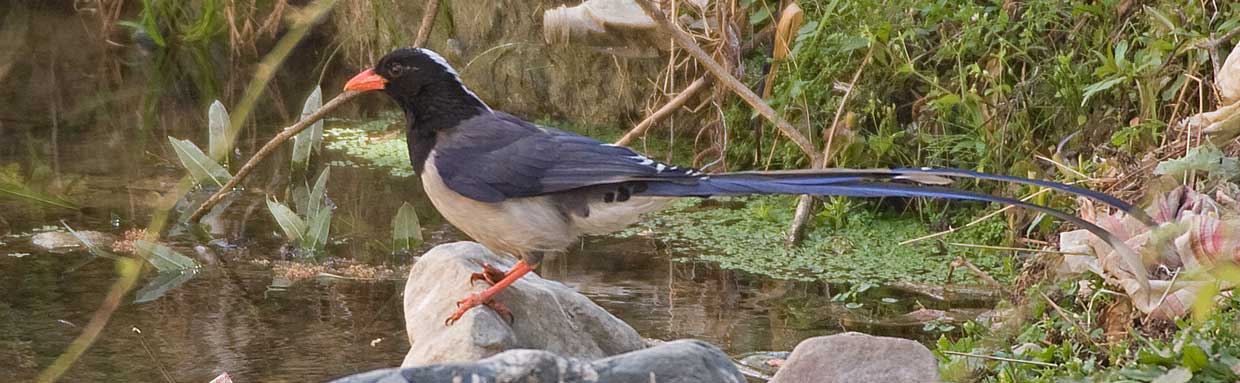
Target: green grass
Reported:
[(748, 234), (979, 86), (1185, 350)]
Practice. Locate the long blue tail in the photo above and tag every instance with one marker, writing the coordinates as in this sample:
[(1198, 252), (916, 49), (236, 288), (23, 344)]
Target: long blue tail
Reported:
[(922, 182)]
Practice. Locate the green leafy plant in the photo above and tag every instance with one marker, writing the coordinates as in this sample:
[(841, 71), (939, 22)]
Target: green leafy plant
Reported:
[(310, 230), (217, 124), (406, 231), (203, 169), (308, 140), (174, 268)]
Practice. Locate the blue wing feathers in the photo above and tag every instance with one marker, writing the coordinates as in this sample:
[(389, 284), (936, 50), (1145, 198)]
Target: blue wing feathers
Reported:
[(495, 157)]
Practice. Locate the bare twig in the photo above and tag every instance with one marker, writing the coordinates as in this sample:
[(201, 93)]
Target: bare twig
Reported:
[(685, 42), (1163, 298), (151, 354), (1064, 314), (428, 21), (665, 110), (961, 261), (835, 123), (266, 150), (805, 209), (805, 204), (970, 245), (1212, 44), (1000, 358)]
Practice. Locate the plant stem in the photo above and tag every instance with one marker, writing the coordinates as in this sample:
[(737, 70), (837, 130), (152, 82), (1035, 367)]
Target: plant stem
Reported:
[(665, 110), (267, 149), (685, 42)]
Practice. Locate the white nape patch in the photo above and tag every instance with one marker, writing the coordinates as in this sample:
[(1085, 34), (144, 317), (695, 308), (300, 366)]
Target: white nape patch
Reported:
[(448, 67), (439, 60)]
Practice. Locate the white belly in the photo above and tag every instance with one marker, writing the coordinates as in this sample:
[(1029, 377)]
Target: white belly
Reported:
[(516, 226)]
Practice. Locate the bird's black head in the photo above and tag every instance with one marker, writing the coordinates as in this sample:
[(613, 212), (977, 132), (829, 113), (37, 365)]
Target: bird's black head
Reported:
[(424, 84)]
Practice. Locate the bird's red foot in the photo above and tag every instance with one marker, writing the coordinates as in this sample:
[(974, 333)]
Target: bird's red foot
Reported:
[(486, 296), (490, 274), (475, 300)]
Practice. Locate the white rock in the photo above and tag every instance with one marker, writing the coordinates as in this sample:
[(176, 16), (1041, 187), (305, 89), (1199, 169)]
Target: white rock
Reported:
[(547, 315), (62, 241)]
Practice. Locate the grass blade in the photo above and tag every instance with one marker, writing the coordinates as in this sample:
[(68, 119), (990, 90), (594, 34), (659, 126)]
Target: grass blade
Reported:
[(162, 257), (308, 139), (201, 168), (406, 230), (20, 190), (292, 225), (217, 122), (163, 283), (90, 246)]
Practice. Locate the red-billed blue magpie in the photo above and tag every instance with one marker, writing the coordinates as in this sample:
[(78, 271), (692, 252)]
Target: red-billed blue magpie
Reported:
[(527, 190)]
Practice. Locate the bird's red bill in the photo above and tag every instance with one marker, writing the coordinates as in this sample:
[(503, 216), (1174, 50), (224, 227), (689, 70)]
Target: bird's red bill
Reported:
[(367, 80)]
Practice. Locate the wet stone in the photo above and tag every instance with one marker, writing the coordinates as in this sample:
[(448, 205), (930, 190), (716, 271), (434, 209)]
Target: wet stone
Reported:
[(682, 361), (62, 241), (857, 357), (762, 364)]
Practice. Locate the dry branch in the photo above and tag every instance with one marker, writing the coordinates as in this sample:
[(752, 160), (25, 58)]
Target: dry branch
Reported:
[(664, 111), (266, 150), (428, 21), (685, 42)]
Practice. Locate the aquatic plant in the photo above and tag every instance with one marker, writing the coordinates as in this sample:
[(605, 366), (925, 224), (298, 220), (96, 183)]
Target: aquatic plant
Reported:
[(406, 231), (308, 231)]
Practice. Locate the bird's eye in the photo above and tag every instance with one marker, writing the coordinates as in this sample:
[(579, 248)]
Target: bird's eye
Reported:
[(396, 70)]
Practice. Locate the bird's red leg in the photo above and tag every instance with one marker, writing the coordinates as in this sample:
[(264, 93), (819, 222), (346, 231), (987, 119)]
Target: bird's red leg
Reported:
[(490, 274), (486, 296)]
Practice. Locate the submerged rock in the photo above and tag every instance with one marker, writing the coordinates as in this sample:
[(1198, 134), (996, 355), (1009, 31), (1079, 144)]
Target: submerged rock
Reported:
[(547, 315), (682, 361), (857, 357), (63, 241)]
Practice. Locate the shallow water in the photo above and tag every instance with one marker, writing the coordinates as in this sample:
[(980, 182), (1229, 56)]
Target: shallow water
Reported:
[(236, 316), (229, 318)]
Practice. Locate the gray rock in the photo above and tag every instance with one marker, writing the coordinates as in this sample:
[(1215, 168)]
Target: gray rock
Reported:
[(547, 315), (857, 357), (682, 361), (63, 241)]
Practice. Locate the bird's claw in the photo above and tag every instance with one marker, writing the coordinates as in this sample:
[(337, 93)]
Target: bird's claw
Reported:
[(475, 300), (490, 274)]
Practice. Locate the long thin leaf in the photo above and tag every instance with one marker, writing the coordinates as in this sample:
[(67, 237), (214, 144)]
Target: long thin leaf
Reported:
[(294, 227), (217, 121), (315, 201), (316, 235), (90, 246), (406, 230), (163, 257), (23, 192), (200, 167), (14, 184), (308, 139), (164, 282)]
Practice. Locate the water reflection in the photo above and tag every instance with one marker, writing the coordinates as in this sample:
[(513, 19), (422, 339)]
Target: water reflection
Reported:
[(97, 136)]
